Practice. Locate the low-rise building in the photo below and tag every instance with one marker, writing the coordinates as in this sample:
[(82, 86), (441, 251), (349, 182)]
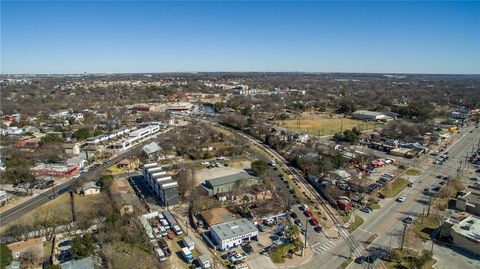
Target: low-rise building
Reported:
[(230, 182), (469, 202), (151, 152), (232, 234), (464, 234), (55, 170), (89, 188), (366, 115)]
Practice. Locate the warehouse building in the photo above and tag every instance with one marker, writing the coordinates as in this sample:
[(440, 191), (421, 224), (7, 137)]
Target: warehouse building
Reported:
[(230, 182), (366, 115), (231, 234)]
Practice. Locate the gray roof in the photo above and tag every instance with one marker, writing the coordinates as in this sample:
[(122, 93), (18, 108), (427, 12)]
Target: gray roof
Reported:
[(234, 228), (85, 263), (368, 113), (203, 258), (219, 181), (151, 148), (188, 240)]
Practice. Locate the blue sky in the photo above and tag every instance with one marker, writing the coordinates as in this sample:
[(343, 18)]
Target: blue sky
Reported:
[(385, 37)]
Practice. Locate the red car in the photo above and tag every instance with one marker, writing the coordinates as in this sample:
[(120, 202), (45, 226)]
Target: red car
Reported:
[(308, 213), (314, 221)]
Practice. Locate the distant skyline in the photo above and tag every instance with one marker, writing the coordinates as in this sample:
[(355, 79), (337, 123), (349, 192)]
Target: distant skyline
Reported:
[(149, 37)]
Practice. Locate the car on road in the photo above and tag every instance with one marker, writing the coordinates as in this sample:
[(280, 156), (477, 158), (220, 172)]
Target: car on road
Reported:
[(372, 258), (366, 209), (401, 199), (360, 259), (407, 220)]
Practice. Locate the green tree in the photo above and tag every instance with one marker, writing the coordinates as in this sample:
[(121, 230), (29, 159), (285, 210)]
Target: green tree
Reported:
[(53, 266), (82, 246), (51, 138), (259, 167), (105, 181), (294, 233), (6, 256), (82, 134)]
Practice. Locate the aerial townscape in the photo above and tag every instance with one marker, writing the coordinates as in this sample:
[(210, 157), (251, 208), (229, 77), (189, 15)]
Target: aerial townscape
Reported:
[(260, 167)]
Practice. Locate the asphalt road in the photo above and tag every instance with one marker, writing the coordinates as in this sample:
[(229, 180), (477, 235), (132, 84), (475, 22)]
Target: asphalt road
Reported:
[(27, 206), (386, 222)]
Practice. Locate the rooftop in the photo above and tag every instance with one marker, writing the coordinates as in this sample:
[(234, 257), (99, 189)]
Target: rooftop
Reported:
[(234, 228), (151, 148), (219, 181), (469, 228), (85, 263)]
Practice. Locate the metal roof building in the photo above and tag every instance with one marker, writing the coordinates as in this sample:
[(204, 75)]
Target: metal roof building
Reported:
[(231, 234)]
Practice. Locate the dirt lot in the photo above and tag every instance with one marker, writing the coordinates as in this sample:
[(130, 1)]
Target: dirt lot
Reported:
[(321, 124)]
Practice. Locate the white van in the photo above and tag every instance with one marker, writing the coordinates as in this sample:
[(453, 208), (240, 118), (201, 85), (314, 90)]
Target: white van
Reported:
[(177, 230), (160, 254), (163, 231), (165, 223)]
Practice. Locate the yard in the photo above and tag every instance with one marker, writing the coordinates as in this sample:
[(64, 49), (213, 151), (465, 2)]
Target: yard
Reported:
[(413, 172), (424, 226), (318, 125), (84, 205), (393, 188)]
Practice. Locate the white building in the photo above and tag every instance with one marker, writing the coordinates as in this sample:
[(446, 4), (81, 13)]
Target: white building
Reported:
[(231, 234)]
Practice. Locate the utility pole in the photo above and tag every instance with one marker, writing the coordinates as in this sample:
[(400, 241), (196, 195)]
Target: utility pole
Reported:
[(306, 236), (403, 235), (429, 205)]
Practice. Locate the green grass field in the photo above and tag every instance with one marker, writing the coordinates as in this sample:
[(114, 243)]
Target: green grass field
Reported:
[(325, 126)]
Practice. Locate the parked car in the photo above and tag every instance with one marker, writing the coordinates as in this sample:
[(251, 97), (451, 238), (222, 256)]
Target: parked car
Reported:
[(298, 222), (401, 199), (261, 227), (366, 209), (294, 215), (247, 248)]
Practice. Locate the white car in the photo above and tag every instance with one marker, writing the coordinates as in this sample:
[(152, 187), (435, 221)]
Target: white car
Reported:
[(401, 199)]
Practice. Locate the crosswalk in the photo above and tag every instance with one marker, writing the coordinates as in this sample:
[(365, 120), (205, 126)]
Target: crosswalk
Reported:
[(321, 247)]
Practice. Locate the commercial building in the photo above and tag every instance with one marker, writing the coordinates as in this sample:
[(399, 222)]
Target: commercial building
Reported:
[(163, 186), (464, 234), (55, 170), (469, 202), (371, 115), (231, 234), (230, 182)]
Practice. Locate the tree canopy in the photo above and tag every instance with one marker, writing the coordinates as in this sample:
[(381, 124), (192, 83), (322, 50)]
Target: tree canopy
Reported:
[(6, 256), (259, 167)]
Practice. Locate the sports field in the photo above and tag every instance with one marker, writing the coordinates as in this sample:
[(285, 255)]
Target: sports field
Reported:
[(325, 126)]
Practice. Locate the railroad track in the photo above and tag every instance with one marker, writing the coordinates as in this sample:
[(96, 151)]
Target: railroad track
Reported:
[(356, 248)]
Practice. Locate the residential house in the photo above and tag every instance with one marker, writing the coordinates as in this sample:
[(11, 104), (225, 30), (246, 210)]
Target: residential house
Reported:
[(72, 148), (151, 152), (89, 188)]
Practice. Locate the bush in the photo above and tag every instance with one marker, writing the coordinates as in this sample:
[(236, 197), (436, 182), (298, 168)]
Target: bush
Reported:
[(6, 256)]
